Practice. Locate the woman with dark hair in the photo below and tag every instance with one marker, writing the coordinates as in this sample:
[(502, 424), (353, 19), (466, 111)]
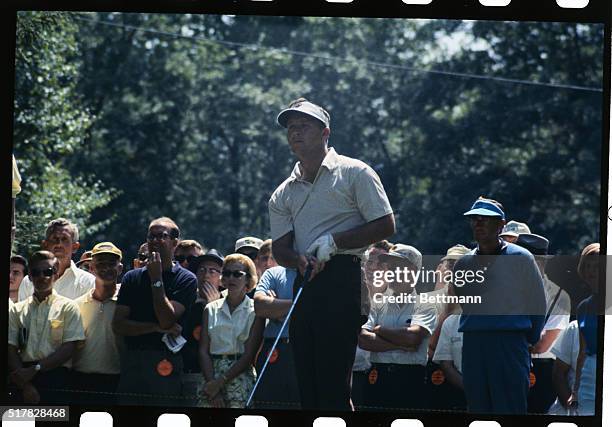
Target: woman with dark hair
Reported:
[(230, 338)]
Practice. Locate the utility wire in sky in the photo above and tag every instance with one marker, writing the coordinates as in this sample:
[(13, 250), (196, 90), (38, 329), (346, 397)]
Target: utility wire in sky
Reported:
[(339, 59)]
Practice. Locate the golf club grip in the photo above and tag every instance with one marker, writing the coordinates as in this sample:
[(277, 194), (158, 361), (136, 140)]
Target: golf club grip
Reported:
[(307, 273)]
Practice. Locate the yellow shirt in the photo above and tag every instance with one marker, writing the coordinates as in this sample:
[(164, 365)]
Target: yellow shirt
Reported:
[(229, 331), (38, 329), (100, 353)]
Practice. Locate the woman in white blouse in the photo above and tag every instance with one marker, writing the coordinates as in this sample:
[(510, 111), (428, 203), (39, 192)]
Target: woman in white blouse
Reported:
[(231, 336)]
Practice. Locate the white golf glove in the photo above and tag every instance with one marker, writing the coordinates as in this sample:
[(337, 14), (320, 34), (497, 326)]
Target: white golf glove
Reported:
[(323, 248)]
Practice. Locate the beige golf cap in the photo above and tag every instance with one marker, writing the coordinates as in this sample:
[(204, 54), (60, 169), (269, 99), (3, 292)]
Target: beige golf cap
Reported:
[(455, 252), (407, 252), (514, 228), (304, 106), (250, 242), (106, 248)]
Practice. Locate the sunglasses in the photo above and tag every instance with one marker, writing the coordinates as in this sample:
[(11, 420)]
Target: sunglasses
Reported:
[(181, 258), (47, 272), (143, 257), (236, 273), (162, 236)]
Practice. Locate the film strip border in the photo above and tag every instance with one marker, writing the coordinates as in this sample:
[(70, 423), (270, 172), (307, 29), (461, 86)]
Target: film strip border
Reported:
[(587, 11)]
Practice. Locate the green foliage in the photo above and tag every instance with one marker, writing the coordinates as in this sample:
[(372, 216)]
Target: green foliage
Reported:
[(51, 124)]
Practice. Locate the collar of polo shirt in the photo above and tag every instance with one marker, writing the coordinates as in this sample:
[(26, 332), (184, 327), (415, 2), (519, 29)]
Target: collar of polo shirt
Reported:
[(49, 300), (330, 162)]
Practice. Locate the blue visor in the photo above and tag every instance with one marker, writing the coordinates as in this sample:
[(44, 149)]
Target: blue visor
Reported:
[(485, 208)]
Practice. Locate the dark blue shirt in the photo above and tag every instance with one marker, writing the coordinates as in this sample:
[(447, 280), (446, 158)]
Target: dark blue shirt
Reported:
[(586, 315), (512, 292), (180, 285)]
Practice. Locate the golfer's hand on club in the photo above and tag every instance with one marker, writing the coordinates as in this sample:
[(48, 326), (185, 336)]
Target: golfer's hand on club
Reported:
[(318, 253)]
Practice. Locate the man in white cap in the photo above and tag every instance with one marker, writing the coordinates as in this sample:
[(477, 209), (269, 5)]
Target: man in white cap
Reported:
[(326, 214), (397, 335), (512, 229), (248, 246)]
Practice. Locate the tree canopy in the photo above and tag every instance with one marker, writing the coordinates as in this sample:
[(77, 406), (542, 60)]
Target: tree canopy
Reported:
[(121, 118)]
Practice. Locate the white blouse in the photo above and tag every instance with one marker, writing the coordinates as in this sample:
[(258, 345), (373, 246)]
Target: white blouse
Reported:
[(229, 331)]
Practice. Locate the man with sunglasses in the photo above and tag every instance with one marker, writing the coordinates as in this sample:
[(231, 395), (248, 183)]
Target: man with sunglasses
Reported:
[(325, 215), (62, 239), (248, 246), (44, 330), (152, 302), (186, 251), (498, 331)]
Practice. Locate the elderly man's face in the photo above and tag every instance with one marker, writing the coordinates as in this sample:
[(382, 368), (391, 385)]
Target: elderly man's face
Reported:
[(61, 244)]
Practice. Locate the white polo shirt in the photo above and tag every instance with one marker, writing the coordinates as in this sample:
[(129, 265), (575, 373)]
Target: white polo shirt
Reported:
[(73, 283), (346, 193), (566, 349), (394, 315)]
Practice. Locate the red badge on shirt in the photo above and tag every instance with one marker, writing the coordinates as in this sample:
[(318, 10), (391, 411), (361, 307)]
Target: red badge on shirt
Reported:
[(437, 377), (532, 379), (164, 368)]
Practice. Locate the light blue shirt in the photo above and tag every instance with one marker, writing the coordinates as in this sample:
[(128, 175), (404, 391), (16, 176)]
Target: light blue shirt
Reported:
[(280, 280)]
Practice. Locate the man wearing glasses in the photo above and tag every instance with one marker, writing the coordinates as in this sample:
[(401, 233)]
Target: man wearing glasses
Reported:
[(151, 305), (207, 268), (325, 215), (497, 331), (44, 330), (186, 251)]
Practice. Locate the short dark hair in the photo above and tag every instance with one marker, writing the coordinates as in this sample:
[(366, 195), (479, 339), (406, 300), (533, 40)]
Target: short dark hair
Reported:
[(43, 256), (18, 259)]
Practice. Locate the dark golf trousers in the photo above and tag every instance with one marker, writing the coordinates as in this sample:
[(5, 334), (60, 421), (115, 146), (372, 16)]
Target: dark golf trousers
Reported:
[(323, 332)]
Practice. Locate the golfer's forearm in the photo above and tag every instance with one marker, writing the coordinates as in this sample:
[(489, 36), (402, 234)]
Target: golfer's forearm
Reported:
[(365, 234), (285, 256)]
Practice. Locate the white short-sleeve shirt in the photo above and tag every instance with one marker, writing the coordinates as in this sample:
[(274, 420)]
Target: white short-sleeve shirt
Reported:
[(450, 342), (559, 316), (566, 349), (396, 315), (228, 332)]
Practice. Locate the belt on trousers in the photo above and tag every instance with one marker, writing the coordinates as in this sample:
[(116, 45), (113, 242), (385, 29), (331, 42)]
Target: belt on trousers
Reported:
[(227, 356)]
